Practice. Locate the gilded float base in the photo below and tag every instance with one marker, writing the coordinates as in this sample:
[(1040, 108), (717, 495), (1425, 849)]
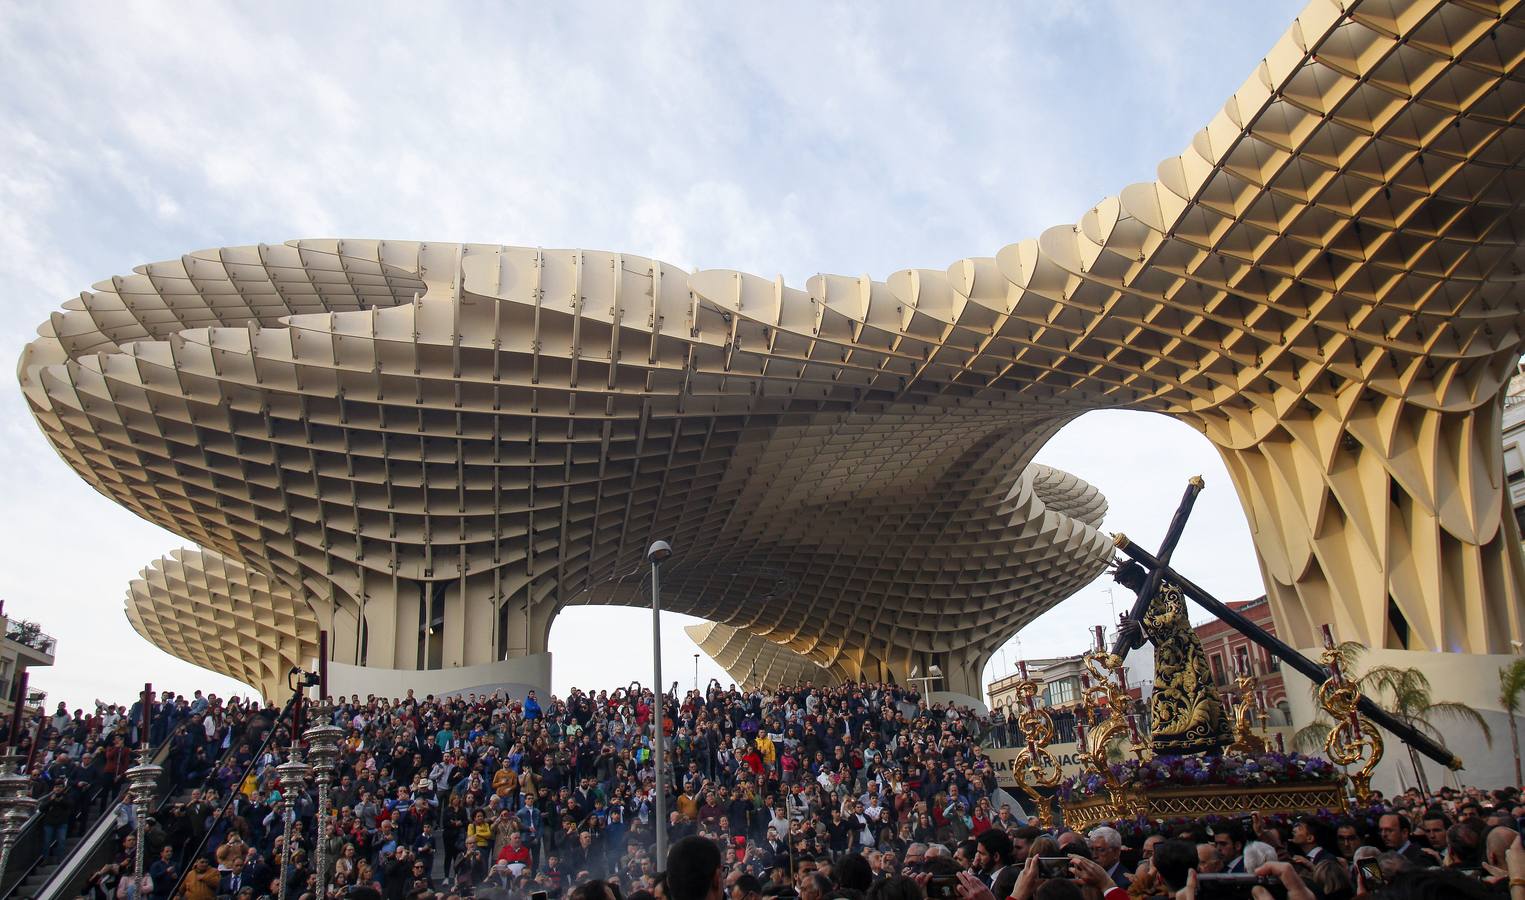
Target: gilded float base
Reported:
[(1175, 802)]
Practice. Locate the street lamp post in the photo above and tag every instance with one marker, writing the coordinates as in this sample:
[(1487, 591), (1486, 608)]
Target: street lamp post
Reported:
[(144, 779), (659, 551), (696, 673)]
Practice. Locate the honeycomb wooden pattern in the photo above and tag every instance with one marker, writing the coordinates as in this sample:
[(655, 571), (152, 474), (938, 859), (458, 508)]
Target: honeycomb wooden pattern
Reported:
[(1325, 282), (1066, 512), (210, 610), (753, 661)]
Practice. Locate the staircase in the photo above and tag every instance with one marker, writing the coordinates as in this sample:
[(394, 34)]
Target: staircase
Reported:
[(44, 869), (84, 853)]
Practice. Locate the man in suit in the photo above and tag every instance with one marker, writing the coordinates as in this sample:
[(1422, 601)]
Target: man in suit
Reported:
[(1230, 840), (233, 879), (993, 862), (1394, 829), (1106, 845), (1313, 840)]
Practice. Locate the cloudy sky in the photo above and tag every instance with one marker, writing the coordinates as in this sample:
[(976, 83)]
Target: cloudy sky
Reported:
[(788, 138)]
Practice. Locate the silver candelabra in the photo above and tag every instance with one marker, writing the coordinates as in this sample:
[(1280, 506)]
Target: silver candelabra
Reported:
[(16, 805), (292, 775), (144, 781), (323, 752)]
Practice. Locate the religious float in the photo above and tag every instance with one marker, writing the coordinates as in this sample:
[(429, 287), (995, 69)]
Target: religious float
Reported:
[(1201, 757)]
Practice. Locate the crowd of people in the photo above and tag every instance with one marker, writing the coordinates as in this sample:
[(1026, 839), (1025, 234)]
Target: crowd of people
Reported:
[(810, 791), (77, 762)]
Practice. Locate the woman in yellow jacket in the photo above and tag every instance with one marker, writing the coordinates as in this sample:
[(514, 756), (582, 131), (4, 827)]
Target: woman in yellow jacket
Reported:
[(767, 750), (479, 832)]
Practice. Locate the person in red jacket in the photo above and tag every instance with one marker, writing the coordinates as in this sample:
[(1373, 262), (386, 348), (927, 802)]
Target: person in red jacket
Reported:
[(515, 853), (754, 760), (118, 759)]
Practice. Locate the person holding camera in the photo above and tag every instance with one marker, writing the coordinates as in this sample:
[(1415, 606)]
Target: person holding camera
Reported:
[(1176, 863), (396, 873)]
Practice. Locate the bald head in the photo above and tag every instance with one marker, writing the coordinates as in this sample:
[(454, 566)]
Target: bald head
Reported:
[(1499, 842)]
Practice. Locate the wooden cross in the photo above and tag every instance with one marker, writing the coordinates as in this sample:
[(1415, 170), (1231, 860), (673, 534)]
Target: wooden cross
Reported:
[(1157, 571)]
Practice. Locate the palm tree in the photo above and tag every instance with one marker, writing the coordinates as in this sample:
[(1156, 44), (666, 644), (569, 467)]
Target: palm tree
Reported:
[(1511, 691), (1407, 695), (1411, 702)]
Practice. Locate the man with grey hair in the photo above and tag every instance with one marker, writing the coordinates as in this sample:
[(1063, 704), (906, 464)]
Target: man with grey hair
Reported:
[(915, 855), (1106, 845), (936, 850), (1258, 853)]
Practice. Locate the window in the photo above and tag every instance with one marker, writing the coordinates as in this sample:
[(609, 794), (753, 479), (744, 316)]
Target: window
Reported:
[(1061, 692), (1218, 678)]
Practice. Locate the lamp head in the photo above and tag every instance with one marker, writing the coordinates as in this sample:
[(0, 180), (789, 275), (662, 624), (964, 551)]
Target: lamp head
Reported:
[(659, 551)]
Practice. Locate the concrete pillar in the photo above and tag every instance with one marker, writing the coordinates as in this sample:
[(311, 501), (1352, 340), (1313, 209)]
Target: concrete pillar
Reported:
[(405, 626), (456, 626), (1386, 520)]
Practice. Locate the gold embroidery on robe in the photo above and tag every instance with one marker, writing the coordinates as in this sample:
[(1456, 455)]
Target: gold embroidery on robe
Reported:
[(1185, 713)]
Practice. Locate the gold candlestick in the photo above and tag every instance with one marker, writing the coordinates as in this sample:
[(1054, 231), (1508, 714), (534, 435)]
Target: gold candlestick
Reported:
[(1246, 741), (1353, 738), (1102, 684), (1034, 766)]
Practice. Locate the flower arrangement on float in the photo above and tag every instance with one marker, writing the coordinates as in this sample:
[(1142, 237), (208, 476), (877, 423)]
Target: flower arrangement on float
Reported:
[(1267, 768)]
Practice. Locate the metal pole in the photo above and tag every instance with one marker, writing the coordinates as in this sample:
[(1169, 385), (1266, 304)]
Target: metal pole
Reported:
[(660, 800), (18, 711), (696, 673)]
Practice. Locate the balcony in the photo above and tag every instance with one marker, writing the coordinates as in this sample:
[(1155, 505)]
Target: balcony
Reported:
[(30, 636)]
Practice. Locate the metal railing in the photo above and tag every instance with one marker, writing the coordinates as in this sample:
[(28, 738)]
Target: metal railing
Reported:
[(27, 854), (1007, 735), (29, 634), (95, 847), (98, 845)]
